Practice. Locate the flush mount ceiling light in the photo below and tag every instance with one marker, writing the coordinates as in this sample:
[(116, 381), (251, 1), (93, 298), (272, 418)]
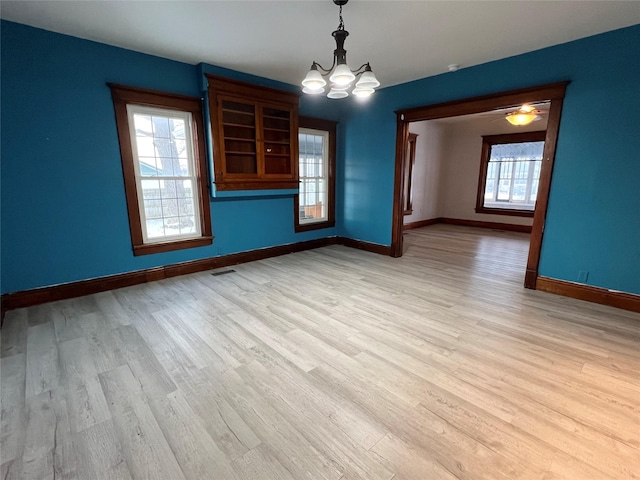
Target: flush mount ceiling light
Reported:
[(524, 116), (340, 75)]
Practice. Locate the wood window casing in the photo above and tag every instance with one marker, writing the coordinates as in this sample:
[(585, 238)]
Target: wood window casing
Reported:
[(330, 127), (255, 135), (410, 162), (487, 142), (123, 96)]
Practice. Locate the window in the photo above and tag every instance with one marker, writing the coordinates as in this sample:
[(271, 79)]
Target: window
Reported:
[(315, 204), (164, 167), (510, 173)]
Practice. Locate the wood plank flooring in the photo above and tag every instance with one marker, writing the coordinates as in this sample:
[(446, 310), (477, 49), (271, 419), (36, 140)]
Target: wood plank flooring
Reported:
[(330, 364)]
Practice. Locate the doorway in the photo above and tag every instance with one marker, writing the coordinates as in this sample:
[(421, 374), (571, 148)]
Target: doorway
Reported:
[(553, 93)]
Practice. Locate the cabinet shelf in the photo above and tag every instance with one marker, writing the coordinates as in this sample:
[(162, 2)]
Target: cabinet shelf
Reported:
[(238, 111), (275, 117), (240, 139), (228, 124)]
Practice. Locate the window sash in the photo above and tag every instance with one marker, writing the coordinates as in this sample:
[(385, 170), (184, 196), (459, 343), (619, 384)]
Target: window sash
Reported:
[(191, 203)]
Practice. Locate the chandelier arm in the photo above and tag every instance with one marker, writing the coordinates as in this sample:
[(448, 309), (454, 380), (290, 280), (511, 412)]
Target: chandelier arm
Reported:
[(359, 70), (325, 71)]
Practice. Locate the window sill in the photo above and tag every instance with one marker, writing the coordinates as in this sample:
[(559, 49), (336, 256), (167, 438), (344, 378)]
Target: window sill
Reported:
[(505, 211), (150, 248), (306, 227)]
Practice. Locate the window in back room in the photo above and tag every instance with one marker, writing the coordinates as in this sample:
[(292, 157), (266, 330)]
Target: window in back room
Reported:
[(510, 173)]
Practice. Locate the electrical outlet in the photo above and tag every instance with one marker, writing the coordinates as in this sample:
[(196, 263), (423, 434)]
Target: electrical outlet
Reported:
[(583, 276)]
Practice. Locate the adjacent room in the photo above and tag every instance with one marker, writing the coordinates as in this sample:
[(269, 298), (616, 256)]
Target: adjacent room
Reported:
[(323, 240)]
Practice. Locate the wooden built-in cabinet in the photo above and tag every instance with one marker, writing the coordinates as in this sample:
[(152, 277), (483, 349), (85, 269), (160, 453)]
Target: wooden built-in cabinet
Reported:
[(255, 136)]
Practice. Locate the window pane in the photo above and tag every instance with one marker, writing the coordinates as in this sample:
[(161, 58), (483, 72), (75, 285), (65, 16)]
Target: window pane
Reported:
[(489, 191), (513, 172), (519, 190), (503, 189), (150, 189)]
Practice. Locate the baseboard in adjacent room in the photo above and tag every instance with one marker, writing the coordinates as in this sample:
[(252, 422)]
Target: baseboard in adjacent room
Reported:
[(421, 223), (362, 245), (509, 227)]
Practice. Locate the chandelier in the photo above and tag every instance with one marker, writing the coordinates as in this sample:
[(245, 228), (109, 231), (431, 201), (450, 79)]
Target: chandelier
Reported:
[(340, 75)]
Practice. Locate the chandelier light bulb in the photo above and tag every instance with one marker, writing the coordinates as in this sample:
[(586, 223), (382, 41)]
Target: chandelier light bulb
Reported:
[(363, 92), (314, 81), (368, 80), (342, 75), (311, 91), (335, 94)]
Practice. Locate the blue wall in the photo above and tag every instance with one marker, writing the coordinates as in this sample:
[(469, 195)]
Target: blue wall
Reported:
[(593, 221), (64, 215)]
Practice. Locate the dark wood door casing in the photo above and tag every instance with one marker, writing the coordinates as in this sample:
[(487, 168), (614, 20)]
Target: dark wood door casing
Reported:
[(553, 92)]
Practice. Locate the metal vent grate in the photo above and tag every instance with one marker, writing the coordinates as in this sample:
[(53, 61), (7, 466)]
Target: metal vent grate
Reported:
[(224, 272)]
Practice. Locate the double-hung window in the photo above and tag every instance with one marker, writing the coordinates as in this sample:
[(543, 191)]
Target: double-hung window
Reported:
[(164, 169), (509, 173), (315, 204)]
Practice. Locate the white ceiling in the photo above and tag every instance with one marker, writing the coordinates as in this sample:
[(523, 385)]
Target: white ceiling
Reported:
[(403, 40)]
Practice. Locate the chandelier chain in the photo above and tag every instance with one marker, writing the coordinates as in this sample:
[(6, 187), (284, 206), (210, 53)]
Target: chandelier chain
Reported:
[(341, 24)]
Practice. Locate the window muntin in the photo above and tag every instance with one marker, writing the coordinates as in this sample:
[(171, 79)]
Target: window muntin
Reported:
[(513, 174), (510, 173), (165, 171), (314, 171)]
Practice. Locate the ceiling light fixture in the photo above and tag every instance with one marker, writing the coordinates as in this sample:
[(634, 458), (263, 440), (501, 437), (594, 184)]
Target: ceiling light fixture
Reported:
[(340, 75), (524, 116)]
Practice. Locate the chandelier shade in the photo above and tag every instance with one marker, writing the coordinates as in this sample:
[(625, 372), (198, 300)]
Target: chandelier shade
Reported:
[(341, 76), (313, 80)]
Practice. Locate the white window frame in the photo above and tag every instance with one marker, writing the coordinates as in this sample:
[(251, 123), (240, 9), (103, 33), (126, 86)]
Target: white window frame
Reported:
[(132, 110)]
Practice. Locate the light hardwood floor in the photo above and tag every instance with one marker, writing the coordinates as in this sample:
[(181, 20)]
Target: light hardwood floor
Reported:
[(324, 365)]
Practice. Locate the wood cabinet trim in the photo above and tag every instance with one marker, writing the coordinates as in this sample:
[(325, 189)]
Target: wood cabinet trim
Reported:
[(285, 174)]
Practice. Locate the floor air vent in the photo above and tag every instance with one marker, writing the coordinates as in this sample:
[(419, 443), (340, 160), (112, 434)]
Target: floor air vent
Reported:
[(217, 274)]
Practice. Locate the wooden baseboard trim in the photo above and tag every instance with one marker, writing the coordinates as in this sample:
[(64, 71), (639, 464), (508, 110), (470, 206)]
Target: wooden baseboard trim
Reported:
[(362, 245), (510, 227), (421, 223), (36, 296), (612, 298)]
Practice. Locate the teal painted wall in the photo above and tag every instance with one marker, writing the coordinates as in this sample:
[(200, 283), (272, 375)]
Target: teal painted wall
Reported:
[(64, 216), (593, 221)]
